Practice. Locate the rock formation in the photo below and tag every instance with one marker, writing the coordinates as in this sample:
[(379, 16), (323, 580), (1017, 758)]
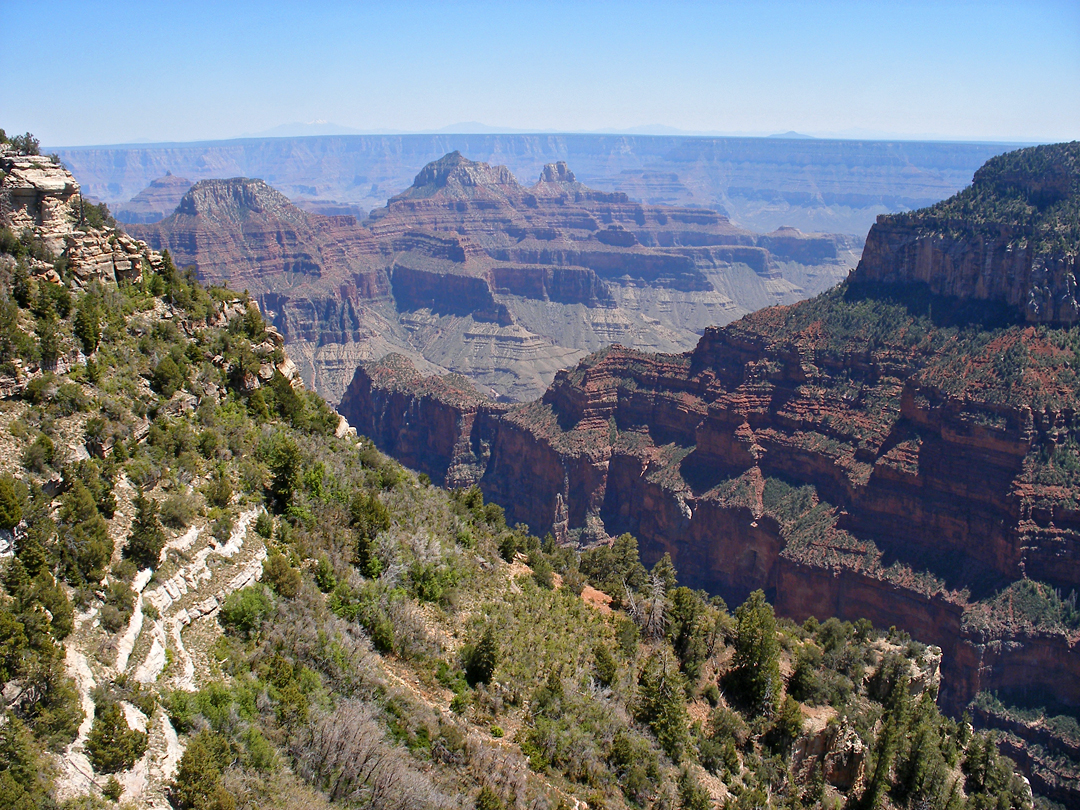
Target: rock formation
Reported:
[(469, 271), (156, 201), (41, 196), (999, 240), (880, 451)]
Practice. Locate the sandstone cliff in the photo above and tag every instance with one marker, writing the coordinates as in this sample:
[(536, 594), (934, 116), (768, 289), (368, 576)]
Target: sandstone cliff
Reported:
[(40, 197), (1010, 238)]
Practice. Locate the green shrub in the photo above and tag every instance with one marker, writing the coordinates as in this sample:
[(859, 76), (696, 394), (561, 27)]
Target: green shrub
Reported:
[(39, 455), (279, 575), (245, 610)]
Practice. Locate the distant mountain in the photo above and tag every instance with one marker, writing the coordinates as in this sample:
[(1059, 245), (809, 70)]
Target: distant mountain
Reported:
[(156, 201), (302, 130), (830, 186), (792, 135)]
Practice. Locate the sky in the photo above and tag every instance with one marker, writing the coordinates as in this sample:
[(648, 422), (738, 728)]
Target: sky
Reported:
[(122, 72)]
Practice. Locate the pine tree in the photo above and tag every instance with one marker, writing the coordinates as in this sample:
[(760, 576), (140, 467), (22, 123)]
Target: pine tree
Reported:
[(112, 744), (85, 545), (10, 508), (662, 703), (88, 323), (480, 661), (147, 537), (757, 654)]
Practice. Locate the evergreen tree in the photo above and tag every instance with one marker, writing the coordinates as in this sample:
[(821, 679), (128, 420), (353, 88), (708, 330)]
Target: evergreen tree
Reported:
[(480, 660), (112, 744), (147, 537), (85, 545), (661, 703), (757, 655), (10, 508), (88, 316)]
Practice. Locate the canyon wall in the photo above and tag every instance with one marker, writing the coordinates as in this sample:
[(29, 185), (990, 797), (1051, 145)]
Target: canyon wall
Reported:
[(901, 448), (472, 272)]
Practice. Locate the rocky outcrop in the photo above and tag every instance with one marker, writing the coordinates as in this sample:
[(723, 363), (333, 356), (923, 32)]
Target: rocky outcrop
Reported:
[(1009, 253), (42, 196), (473, 272), (36, 193)]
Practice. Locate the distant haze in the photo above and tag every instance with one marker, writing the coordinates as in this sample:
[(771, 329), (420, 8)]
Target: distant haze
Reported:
[(122, 72)]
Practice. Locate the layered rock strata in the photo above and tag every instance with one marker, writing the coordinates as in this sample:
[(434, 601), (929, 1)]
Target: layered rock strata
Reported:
[(42, 197), (470, 271)]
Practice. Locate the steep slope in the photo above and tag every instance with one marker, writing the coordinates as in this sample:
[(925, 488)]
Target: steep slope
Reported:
[(470, 271), (882, 450)]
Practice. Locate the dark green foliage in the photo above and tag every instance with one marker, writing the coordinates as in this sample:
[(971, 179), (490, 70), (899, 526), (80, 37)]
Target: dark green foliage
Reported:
[(112, 745), (989, 774), (692, 796), (99, 478), (49, 346), (756, 673), (25, 144), (167, 377), (219, 490), (688, 627), (609, 568), (605, 667), (24, 773), (198, 783), (39, 455), (368, 516), (245, 610), (84, 543), (147, 537), (785, 728), (113, 790), (661, 703), (10, 503), (283, 457), (13, 642), (324, 575), (88, 318), (479, 660), (280, 576), (488, 799), (119, 605)]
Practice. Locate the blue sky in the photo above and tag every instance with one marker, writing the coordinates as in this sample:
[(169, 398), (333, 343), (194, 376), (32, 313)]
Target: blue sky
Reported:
[(95, 73)]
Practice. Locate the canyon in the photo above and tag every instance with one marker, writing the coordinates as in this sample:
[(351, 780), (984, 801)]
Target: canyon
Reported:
[(900, 448), (472, 272)]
